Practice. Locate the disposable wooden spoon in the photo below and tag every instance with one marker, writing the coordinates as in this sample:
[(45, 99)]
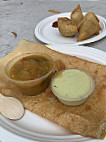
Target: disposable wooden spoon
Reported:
[(11, 107)]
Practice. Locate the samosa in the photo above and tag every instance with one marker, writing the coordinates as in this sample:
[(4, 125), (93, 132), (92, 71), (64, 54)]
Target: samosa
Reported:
[(87, 29), (67, 27), (77, 15), (93, 17), (88, 26)]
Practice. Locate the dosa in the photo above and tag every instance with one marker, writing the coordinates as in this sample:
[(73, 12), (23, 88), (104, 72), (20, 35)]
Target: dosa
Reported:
[(88, 119)]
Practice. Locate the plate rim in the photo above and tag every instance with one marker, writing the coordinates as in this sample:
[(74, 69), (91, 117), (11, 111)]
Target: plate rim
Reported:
[(90, 40), (67, 49), (24, 133)]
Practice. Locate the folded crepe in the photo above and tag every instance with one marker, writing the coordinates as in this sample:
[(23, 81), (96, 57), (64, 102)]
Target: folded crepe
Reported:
[(88, 119), (77, 15), (67, 27)]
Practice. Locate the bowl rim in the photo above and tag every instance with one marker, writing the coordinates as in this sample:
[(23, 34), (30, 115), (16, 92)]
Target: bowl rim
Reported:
[(34, 80), (73, 99)]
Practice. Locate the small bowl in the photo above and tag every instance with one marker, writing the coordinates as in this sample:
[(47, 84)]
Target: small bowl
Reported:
[(35, 86), (73, 97)]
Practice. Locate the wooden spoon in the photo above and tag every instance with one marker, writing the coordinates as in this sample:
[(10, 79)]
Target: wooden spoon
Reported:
[(11, 108)]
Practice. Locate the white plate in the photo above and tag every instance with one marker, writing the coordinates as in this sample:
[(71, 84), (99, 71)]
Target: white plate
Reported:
[(47, 34), (34, 127)]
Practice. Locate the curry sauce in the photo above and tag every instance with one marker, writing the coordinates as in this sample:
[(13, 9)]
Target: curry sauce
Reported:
[(30, 68)]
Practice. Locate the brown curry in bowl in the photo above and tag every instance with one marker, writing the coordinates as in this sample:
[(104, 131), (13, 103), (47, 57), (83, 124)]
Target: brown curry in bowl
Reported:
[(31, 72), (30, 68)]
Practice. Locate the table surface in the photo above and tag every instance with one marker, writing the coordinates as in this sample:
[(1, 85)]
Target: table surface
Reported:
[(22, 16)]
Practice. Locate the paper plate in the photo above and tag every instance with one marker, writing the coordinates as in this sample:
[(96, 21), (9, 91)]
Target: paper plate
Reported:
[(34, 127), (47, 34)]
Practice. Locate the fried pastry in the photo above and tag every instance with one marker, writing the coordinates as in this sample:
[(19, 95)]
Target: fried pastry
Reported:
[(76, 14), (91, 16), (87, 29), (67, 27)]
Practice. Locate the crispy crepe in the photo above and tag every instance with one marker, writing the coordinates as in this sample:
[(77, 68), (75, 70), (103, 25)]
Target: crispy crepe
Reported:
[(87, 29), (76, 14), (88, 119), (67, 27)]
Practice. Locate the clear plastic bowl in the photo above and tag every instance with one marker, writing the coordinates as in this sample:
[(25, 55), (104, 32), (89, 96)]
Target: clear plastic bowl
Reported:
[(30, 87), (73, 101)]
